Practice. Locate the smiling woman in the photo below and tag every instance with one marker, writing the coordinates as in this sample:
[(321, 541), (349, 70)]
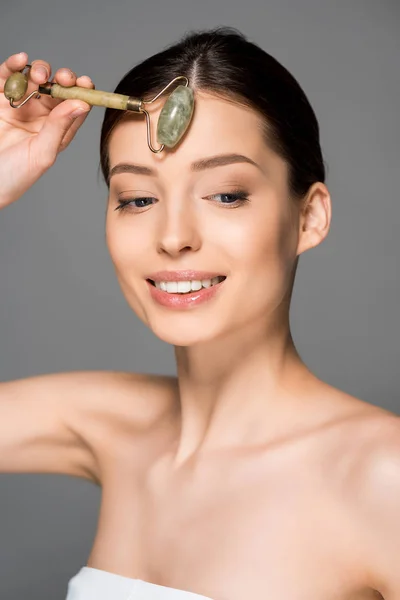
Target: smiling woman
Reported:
[(217, 284), (245, 476), (253, 146), (264, 110)]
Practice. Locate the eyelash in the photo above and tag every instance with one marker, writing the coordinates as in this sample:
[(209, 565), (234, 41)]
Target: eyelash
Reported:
[(241, 197)]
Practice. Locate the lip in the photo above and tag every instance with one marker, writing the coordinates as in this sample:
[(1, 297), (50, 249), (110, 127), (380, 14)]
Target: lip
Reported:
[(186, 275), (183, 301)]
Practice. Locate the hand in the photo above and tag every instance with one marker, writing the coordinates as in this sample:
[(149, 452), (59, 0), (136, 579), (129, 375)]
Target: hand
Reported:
[(31, 137)]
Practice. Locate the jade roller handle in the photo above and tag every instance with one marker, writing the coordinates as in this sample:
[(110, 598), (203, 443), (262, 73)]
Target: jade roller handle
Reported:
[(16, 85), (93, 97)]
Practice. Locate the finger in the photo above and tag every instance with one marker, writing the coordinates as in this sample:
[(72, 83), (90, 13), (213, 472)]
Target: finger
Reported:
[(82, 81), (15, 62), (40, 71), (70, 133), (65, 77), (85, 81), (54, 128)]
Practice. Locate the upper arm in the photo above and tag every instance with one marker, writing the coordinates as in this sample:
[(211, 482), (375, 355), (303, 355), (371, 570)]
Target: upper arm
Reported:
[(40, 430), (67, 422), (377, 506)]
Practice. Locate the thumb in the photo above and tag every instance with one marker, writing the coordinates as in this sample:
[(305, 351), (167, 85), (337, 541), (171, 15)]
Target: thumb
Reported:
[(48, 141)]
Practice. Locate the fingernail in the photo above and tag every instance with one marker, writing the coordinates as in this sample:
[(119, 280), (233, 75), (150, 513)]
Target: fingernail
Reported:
[(78, 112), (42, 72)]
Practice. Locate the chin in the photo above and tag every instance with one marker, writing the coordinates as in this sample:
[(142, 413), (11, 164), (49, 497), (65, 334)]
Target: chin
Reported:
[(180, 330)]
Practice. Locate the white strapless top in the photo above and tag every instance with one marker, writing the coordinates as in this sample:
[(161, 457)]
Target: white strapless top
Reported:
[(95, 584)]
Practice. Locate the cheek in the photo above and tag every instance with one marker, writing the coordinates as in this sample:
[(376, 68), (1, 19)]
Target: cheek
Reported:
[(127, 255), (125, 241), (265, 248), (116, 242), (258, 238)]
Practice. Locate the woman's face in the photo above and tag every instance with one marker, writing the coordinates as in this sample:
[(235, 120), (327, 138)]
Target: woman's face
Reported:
[(190, 219)]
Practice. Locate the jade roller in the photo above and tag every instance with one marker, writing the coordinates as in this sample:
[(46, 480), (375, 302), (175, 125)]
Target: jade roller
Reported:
[(173, 121)]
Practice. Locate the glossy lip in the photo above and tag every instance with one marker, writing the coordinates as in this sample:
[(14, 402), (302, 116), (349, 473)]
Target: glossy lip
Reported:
[(183, 301), (186, 275)]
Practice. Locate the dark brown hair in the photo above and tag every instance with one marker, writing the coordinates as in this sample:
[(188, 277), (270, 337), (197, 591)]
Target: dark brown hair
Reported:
[(222, 61)]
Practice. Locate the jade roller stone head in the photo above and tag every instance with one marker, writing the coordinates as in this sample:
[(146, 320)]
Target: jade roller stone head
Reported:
[(15, 87), (175, 116)]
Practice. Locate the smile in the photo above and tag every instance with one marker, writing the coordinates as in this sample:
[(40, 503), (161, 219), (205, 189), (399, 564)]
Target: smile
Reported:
[(186, 287), (187, 297)]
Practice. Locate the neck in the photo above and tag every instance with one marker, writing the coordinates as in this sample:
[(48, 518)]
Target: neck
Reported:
[(237, 390)]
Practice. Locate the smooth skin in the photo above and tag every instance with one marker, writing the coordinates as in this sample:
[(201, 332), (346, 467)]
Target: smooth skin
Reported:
[(246, 475)]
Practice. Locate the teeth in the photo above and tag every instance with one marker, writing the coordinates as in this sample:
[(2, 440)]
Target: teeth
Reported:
[(172, 287), (195, 285), (183, 287)]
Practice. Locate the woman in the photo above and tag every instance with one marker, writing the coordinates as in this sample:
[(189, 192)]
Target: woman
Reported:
[(245, 476)]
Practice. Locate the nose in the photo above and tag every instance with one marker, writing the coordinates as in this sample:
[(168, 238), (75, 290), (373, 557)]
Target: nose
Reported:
[(178, 230)]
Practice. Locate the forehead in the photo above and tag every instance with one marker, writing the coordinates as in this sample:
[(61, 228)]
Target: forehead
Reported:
[(217, 126)]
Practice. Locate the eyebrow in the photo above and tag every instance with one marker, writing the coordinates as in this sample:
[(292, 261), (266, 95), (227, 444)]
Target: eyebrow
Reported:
[(199, 165)]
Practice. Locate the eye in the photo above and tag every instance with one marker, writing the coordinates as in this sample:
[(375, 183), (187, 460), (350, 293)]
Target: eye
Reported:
[(237, 197), (130, 203)]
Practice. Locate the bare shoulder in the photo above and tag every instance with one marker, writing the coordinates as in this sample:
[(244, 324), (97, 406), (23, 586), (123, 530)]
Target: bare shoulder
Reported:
[(134, 398), (350, 435), (120, 408), (366, 427), (349, 419), (57, 423), (369, 436), (355, 454), (374, 437), (367, 470)]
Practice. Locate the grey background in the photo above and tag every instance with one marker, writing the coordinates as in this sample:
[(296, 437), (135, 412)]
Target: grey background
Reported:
[(61, 307)]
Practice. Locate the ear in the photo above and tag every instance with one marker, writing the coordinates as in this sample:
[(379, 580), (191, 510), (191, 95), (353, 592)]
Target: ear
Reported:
[(315, 217)]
